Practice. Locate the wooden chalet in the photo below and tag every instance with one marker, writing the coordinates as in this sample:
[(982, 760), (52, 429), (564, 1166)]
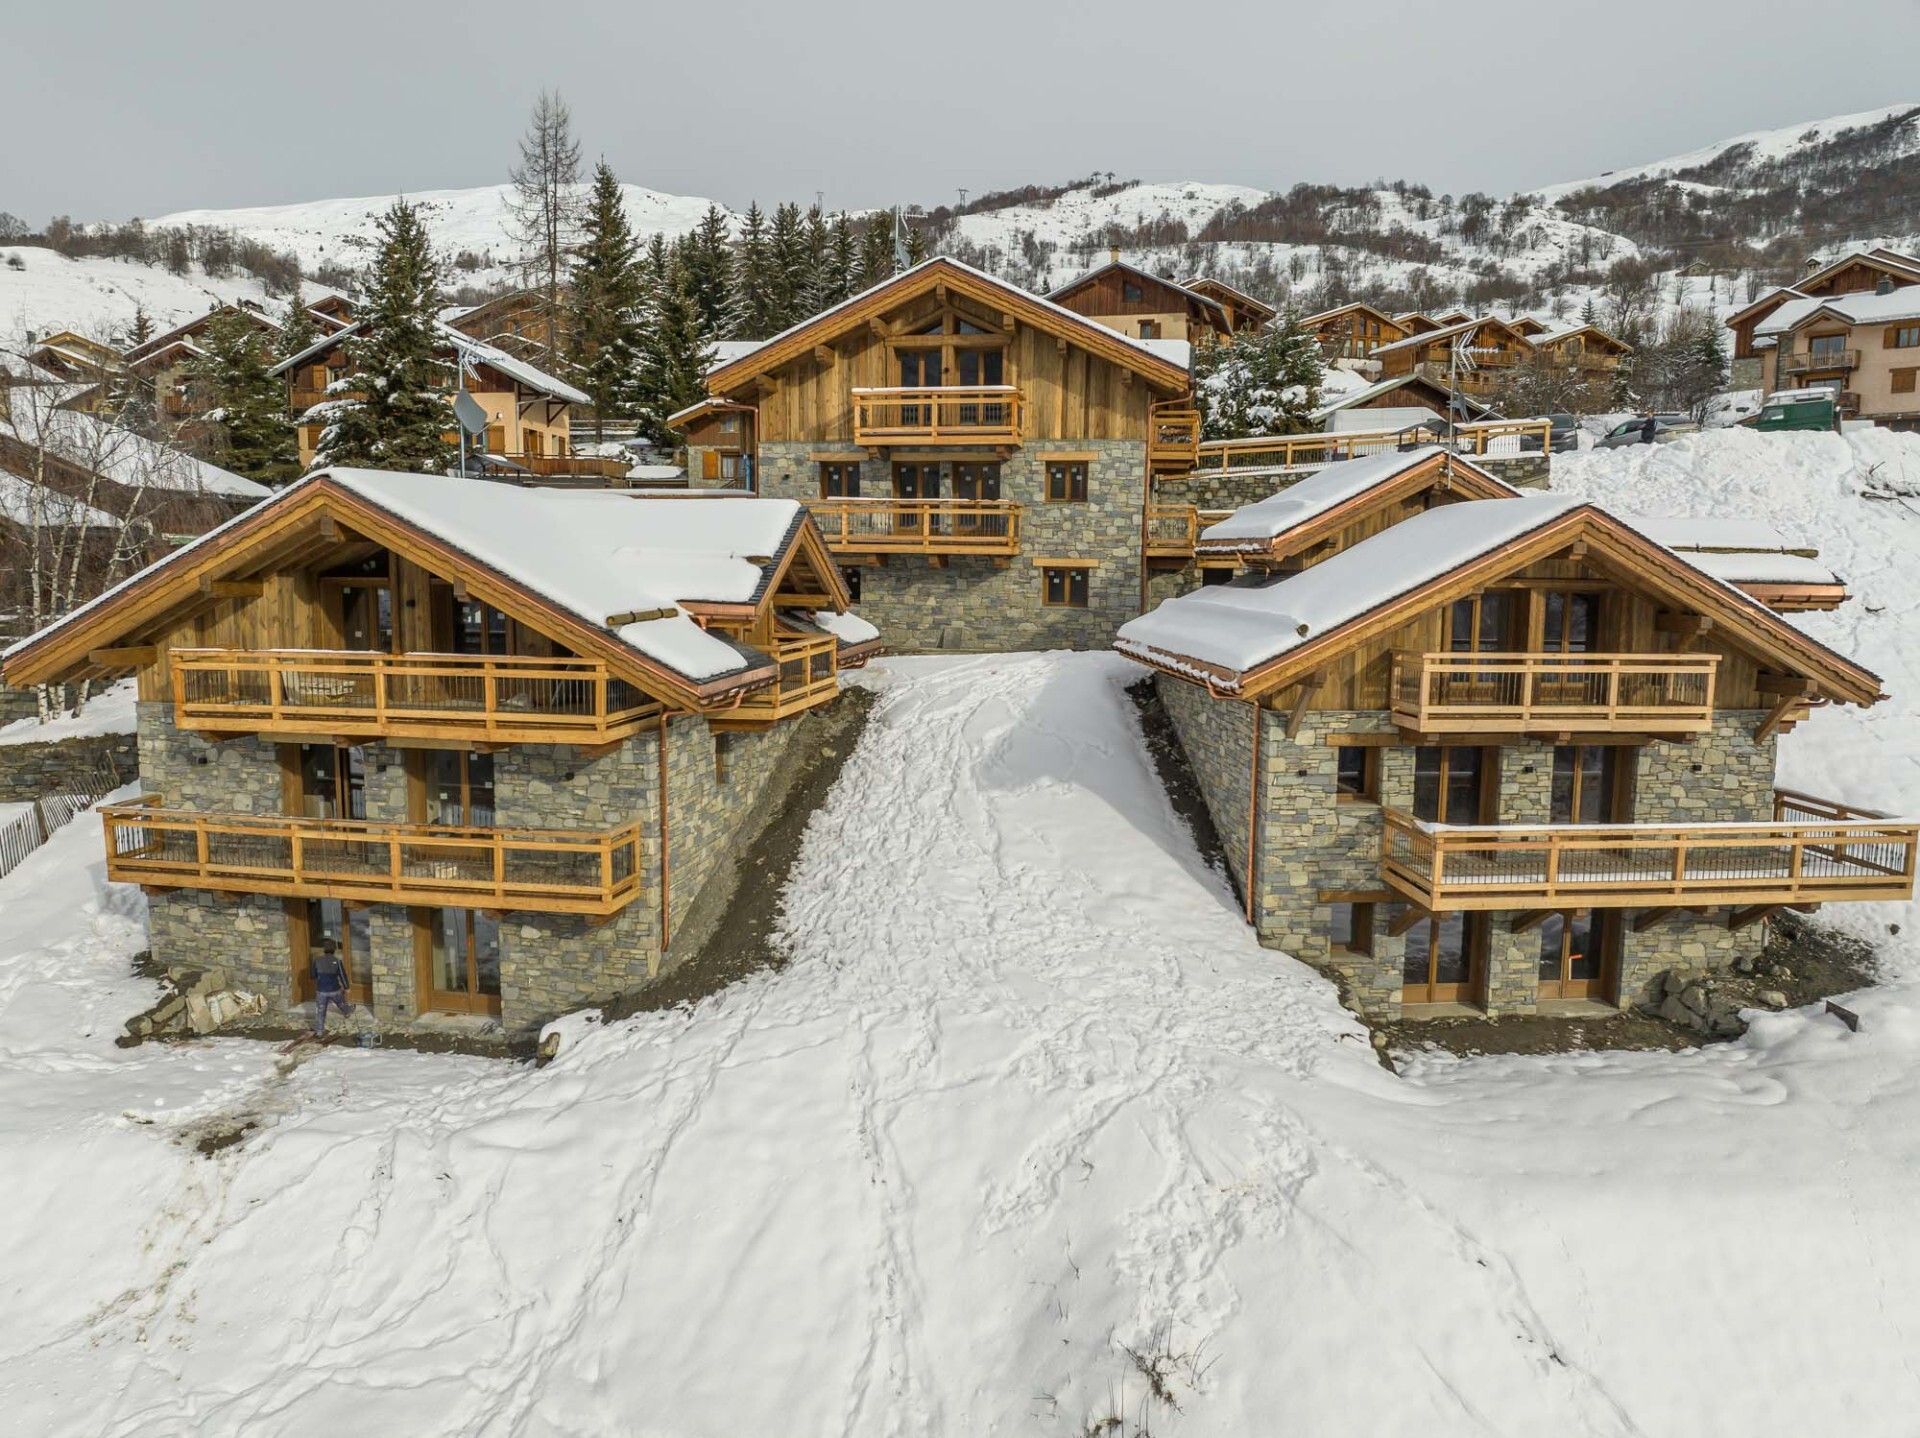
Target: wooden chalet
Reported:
[(1353, 331), (979, 459), (91, 365), (1400, 400), (1585, 349), (1244, 312), (529, 412), (1416, 322), (397, 711), (1504, 752), (161, 364), (1530, 326), (515, 322), (334, 311), (1495, 347), (1145, 306), (1857, 272)]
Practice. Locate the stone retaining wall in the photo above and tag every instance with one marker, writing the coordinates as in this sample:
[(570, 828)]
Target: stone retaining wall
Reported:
[(32, 771)]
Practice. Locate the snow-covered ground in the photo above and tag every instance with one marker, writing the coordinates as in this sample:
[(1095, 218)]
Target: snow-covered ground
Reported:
[(1028, 1096), (97, 295), (109, 711)]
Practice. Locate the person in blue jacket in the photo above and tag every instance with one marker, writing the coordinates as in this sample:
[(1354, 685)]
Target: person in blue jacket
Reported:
[(329, 985)]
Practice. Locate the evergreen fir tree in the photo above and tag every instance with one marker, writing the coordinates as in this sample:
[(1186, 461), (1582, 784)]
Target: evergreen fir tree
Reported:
[(297, 330), (753, 280), (1589, 313), (840, 270), (606, 301), (1262, 384), (240, 402), (916, 245), (813, 298), (141, 330), (876, 251), (710, 272), (788, 269), (676, 353), (403, 414)]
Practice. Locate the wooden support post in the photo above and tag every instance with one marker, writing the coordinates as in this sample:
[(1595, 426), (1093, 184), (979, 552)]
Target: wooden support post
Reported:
[(1752, 914), (1302, 698), (1643, 922), (1412, 915), (1531, 919)]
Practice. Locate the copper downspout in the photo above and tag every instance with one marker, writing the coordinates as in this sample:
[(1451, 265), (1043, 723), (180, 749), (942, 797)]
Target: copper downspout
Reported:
[(665, 868), (1253, 813)]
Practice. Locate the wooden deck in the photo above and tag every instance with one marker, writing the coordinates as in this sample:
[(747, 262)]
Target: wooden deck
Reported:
[(1172, 529), (981, 416), (536, 870), (1449, 693), (360, 695), (807, 676), (1812, 851), (919, 526)]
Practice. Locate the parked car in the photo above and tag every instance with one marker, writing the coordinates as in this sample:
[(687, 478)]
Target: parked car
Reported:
[(1634, 431), (1796, 409), (1564, 437)]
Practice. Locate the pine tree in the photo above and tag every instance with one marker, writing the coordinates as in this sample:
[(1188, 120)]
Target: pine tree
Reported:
[(676, 353), (297, 330), (1590, 313), (710, 272), (753, 279), (243, 405), (788, 268), (876, 251), (546, 204), (141, 329), (606, 302), (839, 270), (402, 415), (916, 245), (1262, 384)]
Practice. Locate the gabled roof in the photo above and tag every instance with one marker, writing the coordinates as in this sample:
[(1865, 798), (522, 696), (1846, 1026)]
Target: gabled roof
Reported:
[(1358, 398), (1203, 284), (1205, 302), (1300, 515), (1865, 308), (1766, 304), (1550, 339), (567, 562), (122, 456), (1447, 332), (1250, 639), (1328, 316), (1901, 266), (1043, 314), (194, 326), (471, 350)]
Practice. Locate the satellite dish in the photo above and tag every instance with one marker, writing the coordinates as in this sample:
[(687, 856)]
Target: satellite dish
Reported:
[(467, 409)]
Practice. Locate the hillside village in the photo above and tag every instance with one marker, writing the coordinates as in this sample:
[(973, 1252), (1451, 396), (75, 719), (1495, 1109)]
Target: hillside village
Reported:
[(1192, 695)]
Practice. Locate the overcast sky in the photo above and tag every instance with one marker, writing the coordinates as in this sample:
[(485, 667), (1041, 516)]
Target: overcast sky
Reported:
[(118, 109)]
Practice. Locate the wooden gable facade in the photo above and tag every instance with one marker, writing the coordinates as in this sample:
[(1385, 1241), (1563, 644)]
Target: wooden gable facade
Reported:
[(1353, 331), (1141, 305)]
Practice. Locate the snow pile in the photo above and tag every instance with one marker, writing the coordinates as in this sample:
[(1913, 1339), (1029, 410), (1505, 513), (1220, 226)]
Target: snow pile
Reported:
[(109, 710), (1325, 489)]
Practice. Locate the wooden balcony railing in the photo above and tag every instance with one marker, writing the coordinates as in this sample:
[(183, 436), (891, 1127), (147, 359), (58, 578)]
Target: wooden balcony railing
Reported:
[(807, 676), (1812, 851), (1300, 453), (1172, 529), (1820, 361), (919, 526), (1173, 438), (1553, 693), (538, 870), (571, 466), (354, 694), (948, 415)]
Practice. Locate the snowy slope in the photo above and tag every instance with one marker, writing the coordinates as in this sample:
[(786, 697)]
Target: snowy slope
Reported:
[(97, 295), (1761, 146), (1079, 215), (472, 221)]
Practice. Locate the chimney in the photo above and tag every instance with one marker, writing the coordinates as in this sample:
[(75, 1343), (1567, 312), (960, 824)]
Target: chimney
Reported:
[(1885, 286), (1113, 254)]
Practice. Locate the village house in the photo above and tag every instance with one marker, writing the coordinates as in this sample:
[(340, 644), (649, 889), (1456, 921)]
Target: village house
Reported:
[(1353, 331), (1863, 347), (529, 412), (1145, 306), (515, 322), (162, 365), (92, 366), (1491, 344), (1856, 272), (1469, 749), (980, 460), (1245, 314), (1584, 350), (1395, 403), (492, 742)]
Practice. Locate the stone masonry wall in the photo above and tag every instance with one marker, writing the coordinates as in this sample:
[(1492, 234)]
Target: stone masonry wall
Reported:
[(978, 604), (32, 771), (1217, 737)]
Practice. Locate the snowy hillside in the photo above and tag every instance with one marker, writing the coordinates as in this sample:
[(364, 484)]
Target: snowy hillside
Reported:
[(1012, 1130), (476, 222), (98, 296)]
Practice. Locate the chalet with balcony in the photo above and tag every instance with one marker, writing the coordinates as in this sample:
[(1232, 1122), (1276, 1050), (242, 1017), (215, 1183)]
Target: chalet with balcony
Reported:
[(1865, 348), (162, 365), (515, 322), (491, 741), (979, 460), (92, 366), (1581, 349), (1353, 331), (1490, 344), (529, 412), (1146, 306), (1857, 272), (1480, 750)]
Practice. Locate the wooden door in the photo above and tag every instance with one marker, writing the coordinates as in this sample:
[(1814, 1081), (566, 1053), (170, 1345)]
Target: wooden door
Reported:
[(1578, 954), (312, 921), (915, 481), (1592, 784), (1455, 784), (457, 960), (1445, 960)]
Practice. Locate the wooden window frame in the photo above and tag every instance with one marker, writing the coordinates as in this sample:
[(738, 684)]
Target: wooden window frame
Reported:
[(831, 468), (1903, 337), (1361, 927), (1904, 380), (1073, 572), (1369, 790), (1603, 986), (1076, 479), (1475, 931), (1488, 800)]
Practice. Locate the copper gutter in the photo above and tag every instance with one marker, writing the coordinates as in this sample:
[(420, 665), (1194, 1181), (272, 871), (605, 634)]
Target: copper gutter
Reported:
[(1253, 814)]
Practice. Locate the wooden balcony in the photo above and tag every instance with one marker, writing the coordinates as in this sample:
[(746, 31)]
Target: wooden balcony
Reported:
[(988, 527), (571, 466), (981, 416), (1812, 851), (1553, 693), (356, 695), (1303, 453), (1820, 362), (1173, 437), (1172, 529), (537, 870), (807, 676)]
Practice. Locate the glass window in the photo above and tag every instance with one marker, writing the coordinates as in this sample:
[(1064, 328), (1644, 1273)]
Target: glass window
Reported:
[(1063, 587), (1356, 771), (1067, 481), (1131, 292), (1906, 337), (1350, 928), (1450, 784), (839, 480)]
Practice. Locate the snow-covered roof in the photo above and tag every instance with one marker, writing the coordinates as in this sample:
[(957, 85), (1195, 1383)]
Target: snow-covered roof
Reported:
[(1868, 308), (1360, 397), (727, 351), (1178, 352), (19, 497), (1446, 332), (474, 351), (593, 553), (122, 456), (1236, 627), (1260, 523), (1728, 535), (1761, 567)]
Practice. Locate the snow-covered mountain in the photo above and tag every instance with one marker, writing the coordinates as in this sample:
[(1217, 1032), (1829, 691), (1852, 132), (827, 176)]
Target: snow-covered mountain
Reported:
[(474, 222)]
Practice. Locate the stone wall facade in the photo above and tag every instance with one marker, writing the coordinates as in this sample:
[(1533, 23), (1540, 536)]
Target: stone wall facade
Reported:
[(549, 963), (1311, 843), (66, 766), (983, 604)]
